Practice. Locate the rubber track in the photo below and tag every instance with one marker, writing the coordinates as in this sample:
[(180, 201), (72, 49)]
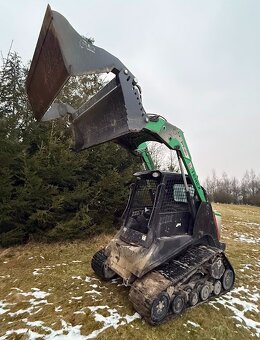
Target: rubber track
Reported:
[(146, 289), (192, 259), (97, 263)]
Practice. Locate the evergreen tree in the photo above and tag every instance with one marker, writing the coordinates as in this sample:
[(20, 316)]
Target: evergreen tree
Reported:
[(48, 192)]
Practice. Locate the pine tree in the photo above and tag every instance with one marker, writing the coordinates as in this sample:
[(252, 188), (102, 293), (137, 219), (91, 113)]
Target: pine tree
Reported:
[(48, 192)]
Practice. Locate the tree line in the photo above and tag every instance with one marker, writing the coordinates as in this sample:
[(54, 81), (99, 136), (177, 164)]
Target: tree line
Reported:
[(232, 190)]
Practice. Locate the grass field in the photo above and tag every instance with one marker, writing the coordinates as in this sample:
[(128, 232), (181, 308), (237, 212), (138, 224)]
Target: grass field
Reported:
[(50, 292)]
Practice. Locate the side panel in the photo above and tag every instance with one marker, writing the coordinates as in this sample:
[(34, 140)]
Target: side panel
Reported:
[(115, 111), (204, 224), (48, 72), (101, 122)]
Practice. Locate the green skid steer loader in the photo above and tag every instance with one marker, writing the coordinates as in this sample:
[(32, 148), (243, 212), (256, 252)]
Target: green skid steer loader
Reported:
[(168, 248)]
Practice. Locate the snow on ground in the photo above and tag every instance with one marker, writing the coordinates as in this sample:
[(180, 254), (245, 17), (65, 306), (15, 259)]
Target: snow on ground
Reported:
[(3, 306), (37, 293), (192, 324), (113, 320), (247, 238), (241, 301), (37, 299), (67, 331)]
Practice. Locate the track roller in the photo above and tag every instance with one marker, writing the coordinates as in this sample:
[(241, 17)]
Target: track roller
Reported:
[(228, 279), (204, 292), (160, 307), (194, 298), (217, 288), (178, 304)]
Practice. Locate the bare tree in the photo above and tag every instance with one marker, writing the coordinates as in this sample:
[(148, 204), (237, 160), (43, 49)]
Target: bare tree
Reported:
[(163, 158), (226, 190)]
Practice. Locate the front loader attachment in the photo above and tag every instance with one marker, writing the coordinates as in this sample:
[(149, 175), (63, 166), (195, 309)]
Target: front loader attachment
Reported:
[(61, 52), (115, 113), (112, 114)]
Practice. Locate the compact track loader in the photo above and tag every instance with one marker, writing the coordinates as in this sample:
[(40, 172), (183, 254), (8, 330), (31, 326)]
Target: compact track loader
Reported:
[(168, 248)]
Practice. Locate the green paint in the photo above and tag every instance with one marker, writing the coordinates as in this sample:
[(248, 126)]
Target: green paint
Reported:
[(143, 150), (173, 138)]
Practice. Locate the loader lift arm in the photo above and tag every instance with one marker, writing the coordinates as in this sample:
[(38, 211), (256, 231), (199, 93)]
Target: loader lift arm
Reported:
[(143, 151), (115, 113), (174, 139)]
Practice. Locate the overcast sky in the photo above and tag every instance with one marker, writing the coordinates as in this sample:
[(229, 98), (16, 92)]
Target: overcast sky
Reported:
[(197, 63)]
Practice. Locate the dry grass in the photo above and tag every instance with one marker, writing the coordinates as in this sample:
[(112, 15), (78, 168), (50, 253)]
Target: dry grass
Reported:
[(55, 284)]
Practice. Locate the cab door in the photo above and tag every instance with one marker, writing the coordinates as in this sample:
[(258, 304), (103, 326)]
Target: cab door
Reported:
[(175, 216)]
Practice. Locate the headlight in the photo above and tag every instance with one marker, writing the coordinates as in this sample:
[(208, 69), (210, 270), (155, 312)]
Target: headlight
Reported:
[(156, 174)]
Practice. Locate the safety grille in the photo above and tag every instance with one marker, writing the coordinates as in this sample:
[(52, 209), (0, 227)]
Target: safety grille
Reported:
[(175, 196), (144, 193)]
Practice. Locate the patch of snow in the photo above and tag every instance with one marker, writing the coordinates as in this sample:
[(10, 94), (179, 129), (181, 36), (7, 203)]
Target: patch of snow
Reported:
[(88, 279), (76, 277), (247, 238), (93, 291), (3, 308), (118, 281), (19, 290), (94, 286), (248, 224), (38, 294), (16, 331), (36, 312), (71, 332), (58, 309), (35, 323), (37, 271), (38, 299), (95, 308), (246, 267), (39, 302), (33, 335), (76, 297), (130, 318), (232, 302), (193, 324), (76, 261), (115, 281), (113, 320), (21, 311), (67, 332)]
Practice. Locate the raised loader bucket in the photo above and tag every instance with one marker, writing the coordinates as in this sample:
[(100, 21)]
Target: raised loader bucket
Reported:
[(112, 114), (115, 112)]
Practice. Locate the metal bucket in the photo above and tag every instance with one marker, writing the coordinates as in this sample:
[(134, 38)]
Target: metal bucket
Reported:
[(114, 113)]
